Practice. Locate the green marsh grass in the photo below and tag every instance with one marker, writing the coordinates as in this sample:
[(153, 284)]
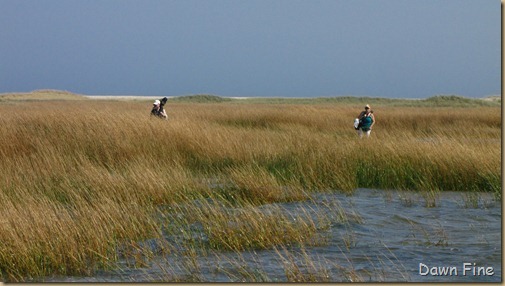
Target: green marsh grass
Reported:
[(81, 179)]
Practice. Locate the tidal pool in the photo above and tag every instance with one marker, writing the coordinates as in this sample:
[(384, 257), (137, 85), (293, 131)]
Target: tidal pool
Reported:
[(389, 236)]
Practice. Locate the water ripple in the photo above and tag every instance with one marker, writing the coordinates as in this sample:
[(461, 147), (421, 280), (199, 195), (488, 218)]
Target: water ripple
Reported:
[(376, 236)]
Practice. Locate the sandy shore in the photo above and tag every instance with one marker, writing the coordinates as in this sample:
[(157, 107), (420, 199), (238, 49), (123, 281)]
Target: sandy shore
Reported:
[(123, 97), (135, 97)]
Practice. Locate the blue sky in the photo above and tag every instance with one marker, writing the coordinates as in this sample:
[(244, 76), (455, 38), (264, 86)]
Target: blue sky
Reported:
[(299, 48)]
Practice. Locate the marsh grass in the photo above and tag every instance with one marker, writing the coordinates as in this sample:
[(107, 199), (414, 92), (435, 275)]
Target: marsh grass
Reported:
[(300, 267), (222, 226), (81, 179), (431, 235), (476, 200)]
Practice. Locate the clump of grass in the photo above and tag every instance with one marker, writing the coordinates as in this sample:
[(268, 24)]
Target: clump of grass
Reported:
[(251, 228), (433, 236), (300, 267), (476, 200), (406, 198)]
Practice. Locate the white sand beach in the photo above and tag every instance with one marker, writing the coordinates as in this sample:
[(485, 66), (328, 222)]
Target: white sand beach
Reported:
[(137, 97), (123, 97)]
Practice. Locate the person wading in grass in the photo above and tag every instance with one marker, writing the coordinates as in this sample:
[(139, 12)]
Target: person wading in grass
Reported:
[(366, 121), (158, 108)]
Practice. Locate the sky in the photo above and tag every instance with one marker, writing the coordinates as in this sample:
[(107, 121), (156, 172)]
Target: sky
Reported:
[(274, 48)]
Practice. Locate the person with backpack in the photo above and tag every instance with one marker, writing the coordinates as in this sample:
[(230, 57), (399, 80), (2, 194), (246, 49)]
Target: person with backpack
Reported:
[(158, 108), (366, 121)]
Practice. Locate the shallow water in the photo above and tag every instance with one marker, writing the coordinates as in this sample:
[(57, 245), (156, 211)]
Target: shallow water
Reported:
[(388, 236)]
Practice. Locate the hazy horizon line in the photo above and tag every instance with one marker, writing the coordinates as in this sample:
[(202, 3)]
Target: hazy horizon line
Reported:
[(246, 96)]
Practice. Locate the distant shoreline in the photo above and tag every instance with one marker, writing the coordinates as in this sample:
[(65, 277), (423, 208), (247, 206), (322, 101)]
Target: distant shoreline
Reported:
[(153, 97), (139, 97), (125, 97), (439, 100)]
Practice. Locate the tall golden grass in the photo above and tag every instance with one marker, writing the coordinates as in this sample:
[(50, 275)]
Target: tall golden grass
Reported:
[(78, 179)]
